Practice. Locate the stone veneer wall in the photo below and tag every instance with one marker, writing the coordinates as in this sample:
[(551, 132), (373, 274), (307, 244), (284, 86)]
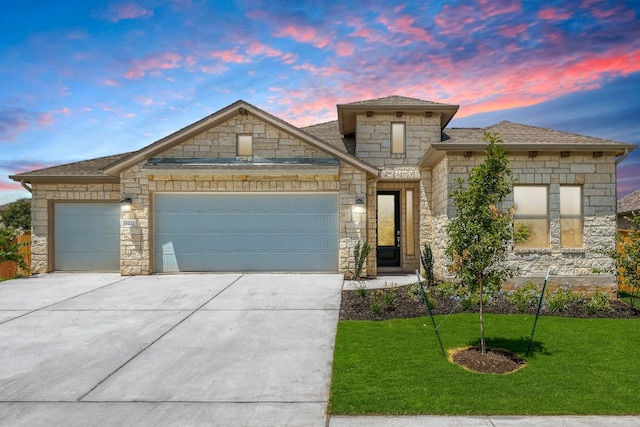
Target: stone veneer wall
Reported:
[(41, 221), (374, 138), (597, 176), (135, 241), (220, 142)]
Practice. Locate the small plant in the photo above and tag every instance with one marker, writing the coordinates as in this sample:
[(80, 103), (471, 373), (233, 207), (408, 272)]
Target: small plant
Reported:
[(360, 288), (561, 298), (599, 301), (376, 302), (389, 294), (360, 253), (524, 297)]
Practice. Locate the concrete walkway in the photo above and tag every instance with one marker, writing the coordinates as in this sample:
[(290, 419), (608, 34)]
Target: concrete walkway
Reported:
[(215, 349)]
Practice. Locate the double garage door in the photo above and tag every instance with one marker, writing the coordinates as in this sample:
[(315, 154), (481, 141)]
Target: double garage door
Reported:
[(245, 232)]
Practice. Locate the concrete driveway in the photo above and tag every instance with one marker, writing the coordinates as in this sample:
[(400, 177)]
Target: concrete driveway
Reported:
[(194, 349)]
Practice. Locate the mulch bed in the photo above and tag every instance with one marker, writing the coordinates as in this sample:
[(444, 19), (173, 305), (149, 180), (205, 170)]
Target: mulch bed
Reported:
[(357, 307), (495, 361)]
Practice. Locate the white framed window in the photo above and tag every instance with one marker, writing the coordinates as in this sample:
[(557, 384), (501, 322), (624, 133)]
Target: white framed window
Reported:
[(531, 216), (397, 138), (571, 217), (245, 146)]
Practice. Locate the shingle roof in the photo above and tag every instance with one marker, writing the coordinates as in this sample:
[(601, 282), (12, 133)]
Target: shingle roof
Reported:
[(516, 133), (329, 133), (85, 168), (395, 101), (629, 203)]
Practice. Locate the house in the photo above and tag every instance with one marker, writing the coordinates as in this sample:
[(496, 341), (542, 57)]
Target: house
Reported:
[(627, 206), (243, 190)]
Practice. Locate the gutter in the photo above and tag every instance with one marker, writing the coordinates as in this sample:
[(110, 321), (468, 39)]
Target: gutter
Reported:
[(622, 156), (24, 184)]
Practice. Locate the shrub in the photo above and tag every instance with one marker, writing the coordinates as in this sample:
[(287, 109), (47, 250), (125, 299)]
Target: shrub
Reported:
[(525, 296), (561, 298), (360, 253), (598, 301)]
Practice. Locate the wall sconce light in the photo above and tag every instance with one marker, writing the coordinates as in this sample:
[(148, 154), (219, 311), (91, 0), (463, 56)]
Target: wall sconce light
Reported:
[(533, 154), (399, 114), (468, 154), (359, 207), (565, 154), (597, 154), (125, 204)]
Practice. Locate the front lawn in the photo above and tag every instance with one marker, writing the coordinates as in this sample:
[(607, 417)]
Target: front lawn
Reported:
[(578, 366)]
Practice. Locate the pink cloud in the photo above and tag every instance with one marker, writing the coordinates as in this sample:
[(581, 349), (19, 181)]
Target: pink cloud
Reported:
[(258, 49), (491, 8), (344, 48), (459, 19), (119, 12), (551, 14), (10, 186), (153, 63), (512, 32), (303, 34), (110, 82), (404, 25), (230, 55)]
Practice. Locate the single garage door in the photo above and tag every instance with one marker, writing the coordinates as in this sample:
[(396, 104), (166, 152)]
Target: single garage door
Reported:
[(87, 236), (246, 232)]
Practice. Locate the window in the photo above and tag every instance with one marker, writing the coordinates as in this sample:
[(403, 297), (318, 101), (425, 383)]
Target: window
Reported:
[(531, 218), (397, 138), (409, 220), (245, 146), (571, 217)]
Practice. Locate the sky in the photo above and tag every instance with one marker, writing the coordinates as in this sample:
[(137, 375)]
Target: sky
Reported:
[(81, 79)]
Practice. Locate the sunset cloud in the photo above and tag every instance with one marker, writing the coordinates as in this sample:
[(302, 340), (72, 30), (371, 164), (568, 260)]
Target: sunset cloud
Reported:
[(153, 64), (121, 11)]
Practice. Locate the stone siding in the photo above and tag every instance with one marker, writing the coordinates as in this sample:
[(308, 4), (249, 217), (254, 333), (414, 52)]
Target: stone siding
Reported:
[(41, 215), (220, 142), (597, 178), (373, 136)]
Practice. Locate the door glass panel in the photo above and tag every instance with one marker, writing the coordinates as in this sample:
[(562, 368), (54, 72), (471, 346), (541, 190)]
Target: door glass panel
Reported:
[(386, 220)]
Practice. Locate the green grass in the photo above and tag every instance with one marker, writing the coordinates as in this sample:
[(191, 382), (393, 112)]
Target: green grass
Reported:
[(577, 366)]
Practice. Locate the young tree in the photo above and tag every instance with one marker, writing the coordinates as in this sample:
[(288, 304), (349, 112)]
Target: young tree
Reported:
[(627, 257), (482, 230)]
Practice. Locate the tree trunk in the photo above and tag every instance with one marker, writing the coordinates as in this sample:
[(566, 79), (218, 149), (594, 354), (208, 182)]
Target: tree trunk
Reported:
[(483, 346)]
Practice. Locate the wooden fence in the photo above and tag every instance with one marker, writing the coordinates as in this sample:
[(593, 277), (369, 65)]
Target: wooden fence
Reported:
[(10, 269)]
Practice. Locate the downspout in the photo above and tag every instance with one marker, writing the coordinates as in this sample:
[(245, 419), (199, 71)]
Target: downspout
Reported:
[(24, 184), (622, 156)]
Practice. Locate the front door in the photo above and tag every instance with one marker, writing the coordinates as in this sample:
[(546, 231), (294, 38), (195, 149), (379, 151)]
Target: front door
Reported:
[(388, 251)]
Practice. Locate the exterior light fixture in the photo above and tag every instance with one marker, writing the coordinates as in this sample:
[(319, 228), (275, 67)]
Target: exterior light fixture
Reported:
[(359, 207), (125, 204)]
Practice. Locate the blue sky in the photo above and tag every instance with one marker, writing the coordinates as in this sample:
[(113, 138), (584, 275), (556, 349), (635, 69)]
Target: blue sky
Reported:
[(95, 78)]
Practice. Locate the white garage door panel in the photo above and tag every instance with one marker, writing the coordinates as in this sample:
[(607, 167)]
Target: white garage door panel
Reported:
[(87, 236), (246, 232)]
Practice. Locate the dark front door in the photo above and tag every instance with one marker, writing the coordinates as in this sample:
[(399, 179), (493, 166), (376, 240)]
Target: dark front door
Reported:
[(388, 250)]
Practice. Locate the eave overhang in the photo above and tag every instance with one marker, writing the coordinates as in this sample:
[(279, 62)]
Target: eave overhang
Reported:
[(437, 151), (66, 179), (347, 113)]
